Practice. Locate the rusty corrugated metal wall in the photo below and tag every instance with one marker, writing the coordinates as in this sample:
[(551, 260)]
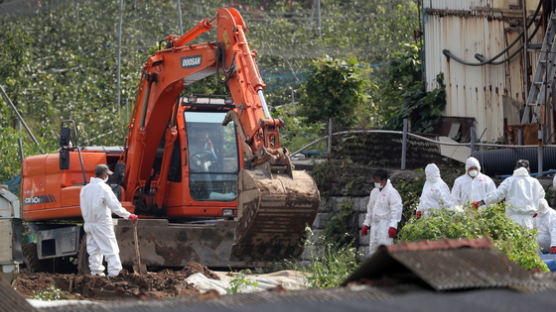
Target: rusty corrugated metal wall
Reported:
[(488, 93), (456, 4)]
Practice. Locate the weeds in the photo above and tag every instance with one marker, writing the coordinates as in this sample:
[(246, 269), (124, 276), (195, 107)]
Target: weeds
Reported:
[(239, 281), (330, 263), (338, 226), (51, 293)]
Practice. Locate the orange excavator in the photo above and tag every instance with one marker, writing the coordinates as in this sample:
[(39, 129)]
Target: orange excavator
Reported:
[(207, 176)]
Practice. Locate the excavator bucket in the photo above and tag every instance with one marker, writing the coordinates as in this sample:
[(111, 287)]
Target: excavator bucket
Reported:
[(272, 215)]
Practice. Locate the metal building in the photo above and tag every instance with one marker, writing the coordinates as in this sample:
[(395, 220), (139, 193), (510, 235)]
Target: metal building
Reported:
[(492, 94)]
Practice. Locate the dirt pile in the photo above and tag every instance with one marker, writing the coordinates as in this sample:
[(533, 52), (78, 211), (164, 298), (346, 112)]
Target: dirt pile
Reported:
[(163, 284), (194, 267)]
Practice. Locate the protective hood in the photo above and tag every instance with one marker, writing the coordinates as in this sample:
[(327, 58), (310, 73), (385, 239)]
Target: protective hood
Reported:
[(543, 206), (521, 172), (472, 162), (432, 173)]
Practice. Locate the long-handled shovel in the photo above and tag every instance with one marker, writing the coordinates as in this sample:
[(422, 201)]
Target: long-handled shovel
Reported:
[(138, 267)]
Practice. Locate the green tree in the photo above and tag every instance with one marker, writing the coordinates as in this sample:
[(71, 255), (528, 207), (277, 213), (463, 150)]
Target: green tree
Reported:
[(403, 94), (333, 90)]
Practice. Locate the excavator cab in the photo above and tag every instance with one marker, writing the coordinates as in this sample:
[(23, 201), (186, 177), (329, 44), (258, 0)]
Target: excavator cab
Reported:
[(213, 156)]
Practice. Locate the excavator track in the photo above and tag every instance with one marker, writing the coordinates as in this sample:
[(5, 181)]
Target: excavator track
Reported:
[(272, 215)]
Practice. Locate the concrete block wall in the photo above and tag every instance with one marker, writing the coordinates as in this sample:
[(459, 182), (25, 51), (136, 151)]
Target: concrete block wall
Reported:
[(330, 206)]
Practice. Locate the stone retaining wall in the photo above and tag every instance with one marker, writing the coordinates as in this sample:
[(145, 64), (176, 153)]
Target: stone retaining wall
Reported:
[(333, 205)]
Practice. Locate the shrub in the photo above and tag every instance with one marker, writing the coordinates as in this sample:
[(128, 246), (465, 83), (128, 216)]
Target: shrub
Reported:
[(330, 263), (519, 244)]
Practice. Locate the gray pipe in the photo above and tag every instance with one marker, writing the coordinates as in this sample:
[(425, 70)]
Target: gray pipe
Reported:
[(502, 161)]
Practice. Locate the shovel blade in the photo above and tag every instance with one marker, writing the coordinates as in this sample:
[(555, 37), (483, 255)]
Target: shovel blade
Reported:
[(139, 269)]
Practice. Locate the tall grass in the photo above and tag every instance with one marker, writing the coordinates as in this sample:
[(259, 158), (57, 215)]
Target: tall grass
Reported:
[(330, 263)]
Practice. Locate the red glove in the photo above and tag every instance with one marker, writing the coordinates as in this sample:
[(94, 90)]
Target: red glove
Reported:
[(365, 230), (133, 217), (418, 215), (535, 215), (392, 232), (476, 204), (553, 250)]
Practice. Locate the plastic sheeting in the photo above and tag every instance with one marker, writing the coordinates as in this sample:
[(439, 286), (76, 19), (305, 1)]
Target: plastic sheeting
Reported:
[(550, 261), (290, 280)]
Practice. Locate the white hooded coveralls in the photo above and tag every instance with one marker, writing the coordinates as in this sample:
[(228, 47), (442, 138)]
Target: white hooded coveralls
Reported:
[(522, 193), (436, 193), (467, 189), (384, 210), (98, 202), (545, 223)]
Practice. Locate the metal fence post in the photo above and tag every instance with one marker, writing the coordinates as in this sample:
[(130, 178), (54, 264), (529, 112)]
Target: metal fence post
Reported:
[(329, 138), (473, 138), (540, 152), (19, 142), (404, 143)]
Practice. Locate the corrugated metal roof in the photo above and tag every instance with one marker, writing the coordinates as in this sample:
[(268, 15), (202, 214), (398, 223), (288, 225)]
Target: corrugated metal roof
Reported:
[(11, 300), (463, 268), (445, 265), (456, 4)]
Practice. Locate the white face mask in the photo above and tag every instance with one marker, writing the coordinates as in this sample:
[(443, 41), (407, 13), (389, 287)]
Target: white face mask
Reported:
[(378, 184), (473, 173)]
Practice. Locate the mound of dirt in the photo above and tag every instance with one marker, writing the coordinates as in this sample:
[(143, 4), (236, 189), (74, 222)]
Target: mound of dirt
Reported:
[(194, 267), (163, 284)]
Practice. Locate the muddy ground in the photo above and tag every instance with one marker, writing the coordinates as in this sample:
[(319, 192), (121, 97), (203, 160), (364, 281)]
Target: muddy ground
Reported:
[(163, 284)]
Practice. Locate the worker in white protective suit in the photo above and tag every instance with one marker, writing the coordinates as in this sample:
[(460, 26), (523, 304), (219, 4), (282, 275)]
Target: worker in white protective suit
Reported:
[(384, 211), (545, 223), (473, 185), (98, 202), (436, 193), (522, 193)]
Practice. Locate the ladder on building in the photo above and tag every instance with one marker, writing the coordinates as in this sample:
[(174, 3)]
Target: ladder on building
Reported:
[(541, 86)]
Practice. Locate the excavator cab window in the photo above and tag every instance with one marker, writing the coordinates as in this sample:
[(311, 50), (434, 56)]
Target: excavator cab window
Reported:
[(213, 156)]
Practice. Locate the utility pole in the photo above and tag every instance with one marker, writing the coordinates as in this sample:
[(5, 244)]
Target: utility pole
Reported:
[(180, 17), (119, 52), (318, 17)]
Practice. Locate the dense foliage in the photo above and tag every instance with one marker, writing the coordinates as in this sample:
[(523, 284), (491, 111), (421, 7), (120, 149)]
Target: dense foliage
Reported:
[(58, 58), (334, 90), (519, 244), (404, 95)]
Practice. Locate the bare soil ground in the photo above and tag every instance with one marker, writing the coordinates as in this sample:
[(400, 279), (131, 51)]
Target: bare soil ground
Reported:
[(163, 284)]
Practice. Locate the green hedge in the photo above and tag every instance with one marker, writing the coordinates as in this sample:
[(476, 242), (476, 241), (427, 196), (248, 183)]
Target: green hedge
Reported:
[(520, 245)]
